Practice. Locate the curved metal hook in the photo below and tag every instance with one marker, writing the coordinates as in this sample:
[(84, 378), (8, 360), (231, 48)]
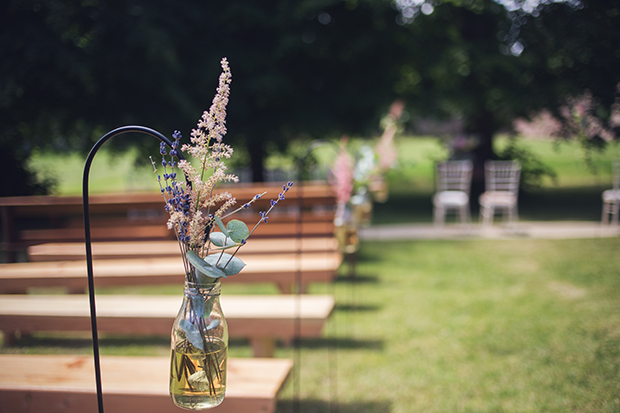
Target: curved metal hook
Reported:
[(87, 237)]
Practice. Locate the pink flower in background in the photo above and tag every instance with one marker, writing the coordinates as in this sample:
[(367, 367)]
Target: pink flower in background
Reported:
[(580, 119), (342, 173), (385, 149), (542, 125)]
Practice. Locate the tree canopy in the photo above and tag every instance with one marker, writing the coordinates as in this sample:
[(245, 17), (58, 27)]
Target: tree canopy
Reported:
[(71, 70)]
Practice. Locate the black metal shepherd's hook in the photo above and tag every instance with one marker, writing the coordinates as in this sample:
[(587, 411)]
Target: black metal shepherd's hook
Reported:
[(87, 238)]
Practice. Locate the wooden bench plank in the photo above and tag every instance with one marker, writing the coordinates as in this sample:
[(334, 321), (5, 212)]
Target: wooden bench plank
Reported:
[(262, 319), (282, 270), (273, 229), (315, 200), (66, 384), (97, 234), (250, 216), (144, 249), (311, 194)]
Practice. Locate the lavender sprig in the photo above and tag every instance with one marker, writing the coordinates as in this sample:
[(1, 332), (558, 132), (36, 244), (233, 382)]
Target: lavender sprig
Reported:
[(264, 216)]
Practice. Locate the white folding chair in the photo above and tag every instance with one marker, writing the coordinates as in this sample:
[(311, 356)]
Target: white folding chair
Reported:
[(501, 191), (453, 187), (611, 197)]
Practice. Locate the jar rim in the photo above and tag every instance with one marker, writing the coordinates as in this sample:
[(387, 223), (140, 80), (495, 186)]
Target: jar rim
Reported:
[(213, 288)]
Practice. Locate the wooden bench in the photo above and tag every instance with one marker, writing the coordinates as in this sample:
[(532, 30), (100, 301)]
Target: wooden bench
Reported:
[(66, 384), (160, 232), (284, 270), (71, 251), (60, 218), (261, 319)]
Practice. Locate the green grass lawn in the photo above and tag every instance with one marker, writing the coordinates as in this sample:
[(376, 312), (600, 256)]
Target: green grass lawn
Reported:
[(448, 326), (438, 326), (574, 195)]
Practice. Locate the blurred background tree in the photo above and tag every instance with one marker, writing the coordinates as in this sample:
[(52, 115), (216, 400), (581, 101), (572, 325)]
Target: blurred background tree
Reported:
[(489, 63), (71, 70)]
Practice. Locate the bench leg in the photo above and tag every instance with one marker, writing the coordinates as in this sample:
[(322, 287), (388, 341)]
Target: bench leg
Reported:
[(287, 287), (263, 346), (10, 338)]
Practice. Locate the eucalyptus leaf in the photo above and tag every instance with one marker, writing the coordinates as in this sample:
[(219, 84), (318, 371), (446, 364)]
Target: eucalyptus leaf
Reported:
[(209, 303), (204, 267), (220, 240), (213, 324), (227, 263), (192, 333), (221, 226), (198, 304), (237, 230)]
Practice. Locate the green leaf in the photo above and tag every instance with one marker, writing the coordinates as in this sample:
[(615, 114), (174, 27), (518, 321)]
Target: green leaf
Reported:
[(204, 268), (221, 226), (192, 333), (213, 324), (198, 304), (225, 262), (238, 230), (220, 240)]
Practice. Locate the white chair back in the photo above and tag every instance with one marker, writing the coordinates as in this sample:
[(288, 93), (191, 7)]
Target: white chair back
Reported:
[(454, 176), (502, 176)]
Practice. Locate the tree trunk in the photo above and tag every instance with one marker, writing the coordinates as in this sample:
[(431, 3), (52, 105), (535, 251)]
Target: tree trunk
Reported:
[(257, 161), (484, 128)]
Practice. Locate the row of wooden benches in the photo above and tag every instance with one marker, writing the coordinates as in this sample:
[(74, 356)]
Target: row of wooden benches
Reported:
[(116, 217), (301, 236)]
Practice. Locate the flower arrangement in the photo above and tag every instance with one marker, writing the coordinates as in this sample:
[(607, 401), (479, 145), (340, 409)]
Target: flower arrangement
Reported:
[(196, 211), (347, 175)]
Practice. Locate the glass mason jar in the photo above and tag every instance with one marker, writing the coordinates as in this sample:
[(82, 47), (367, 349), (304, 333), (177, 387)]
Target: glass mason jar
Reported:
[(379, 189), (199, 349), (345, 230), (362, 208)]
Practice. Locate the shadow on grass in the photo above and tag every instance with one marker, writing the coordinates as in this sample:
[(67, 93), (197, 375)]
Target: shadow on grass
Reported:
[(322, 406), (562, 204), (405, 207), (543, 204), (341, 343), (357, 279), (83, 344), (356, 307)]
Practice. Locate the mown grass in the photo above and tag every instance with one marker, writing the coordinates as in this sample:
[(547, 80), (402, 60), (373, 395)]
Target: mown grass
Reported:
[(448, 326)]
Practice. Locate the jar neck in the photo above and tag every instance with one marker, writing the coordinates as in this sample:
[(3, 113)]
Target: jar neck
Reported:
[(213, 289)]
